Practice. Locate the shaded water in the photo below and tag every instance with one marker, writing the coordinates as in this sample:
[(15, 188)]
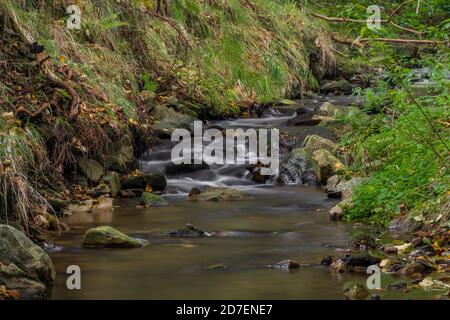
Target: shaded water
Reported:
[(282, 222)]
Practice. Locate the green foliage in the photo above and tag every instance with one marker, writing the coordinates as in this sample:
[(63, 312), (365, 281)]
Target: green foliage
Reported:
[(406, 158)]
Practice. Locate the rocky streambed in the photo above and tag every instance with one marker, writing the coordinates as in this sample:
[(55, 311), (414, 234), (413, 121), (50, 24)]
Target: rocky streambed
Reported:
[(225, 231)]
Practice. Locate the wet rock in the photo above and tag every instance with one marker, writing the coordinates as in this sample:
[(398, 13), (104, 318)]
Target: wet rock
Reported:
[(355, 291), (343, 189), (217, 194), (120, 159), (112, 180), (325, 164), (398, 286), (153, 200), (304, 117), (194, 192), (314, 142), (336, 213), (155, 180), (23, 265), (91, 169), (339, 265), (190, 231), (127, 194), (328, 260), (340, 86), (101, 190), (257, 176), (297, 167), (166, 126), (108, 237), (285, 265), (332, 183), (176, 169), (361, 261)]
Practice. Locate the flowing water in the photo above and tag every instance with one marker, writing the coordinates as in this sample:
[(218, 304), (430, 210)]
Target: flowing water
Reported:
[(282, 222)]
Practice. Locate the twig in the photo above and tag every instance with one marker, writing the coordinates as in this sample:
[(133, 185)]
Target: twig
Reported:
[(426, 117)]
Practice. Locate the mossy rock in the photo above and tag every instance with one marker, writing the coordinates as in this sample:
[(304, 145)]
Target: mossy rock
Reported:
[(216, 194), (23, 265), (108, 237), (153, 200), (112, 180), (325, 165), (355, 291), (315, 142), (166, 126), (155, 180), (120, 159), (161, 112), (91, 169)]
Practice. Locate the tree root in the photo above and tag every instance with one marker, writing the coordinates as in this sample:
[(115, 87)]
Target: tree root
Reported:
[(44, 63)]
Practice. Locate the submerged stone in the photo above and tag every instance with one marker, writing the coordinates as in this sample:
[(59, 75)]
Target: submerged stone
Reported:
[(153, 200), (217, 194)]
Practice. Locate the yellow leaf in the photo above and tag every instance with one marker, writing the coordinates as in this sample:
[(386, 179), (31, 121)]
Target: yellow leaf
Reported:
[(62, 59)]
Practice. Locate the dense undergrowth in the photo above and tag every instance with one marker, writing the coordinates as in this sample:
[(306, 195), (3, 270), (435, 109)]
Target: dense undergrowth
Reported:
[(215, 58), (403, 149)]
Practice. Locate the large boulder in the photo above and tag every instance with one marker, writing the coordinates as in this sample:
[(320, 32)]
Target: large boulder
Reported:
[(23, 265), (155, 180), (153, 200), (298, 167), (91, 169), (326, 164), (108, 237), (166, 126), (120, 159), (314, 142), (217, 194)]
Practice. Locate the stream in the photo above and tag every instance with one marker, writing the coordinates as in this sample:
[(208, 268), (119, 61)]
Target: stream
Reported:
[(282, 222)]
